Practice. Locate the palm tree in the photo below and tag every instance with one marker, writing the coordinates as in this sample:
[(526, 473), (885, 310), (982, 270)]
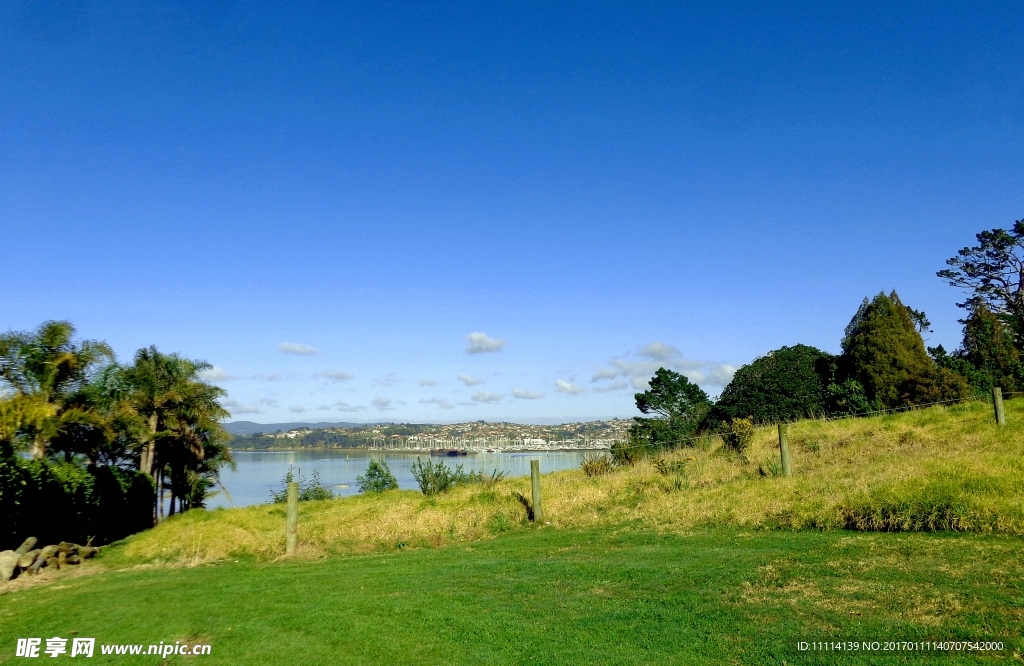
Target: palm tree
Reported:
[(48, 375), (184, 444)]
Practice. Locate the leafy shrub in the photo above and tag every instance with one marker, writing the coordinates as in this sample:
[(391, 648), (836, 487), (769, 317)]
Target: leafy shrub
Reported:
[(57, 502), (848, 398), (308, 491), (783, 385), (434, 478), (666, 468), (736, 434), (487, 480), (934, 385), (378, 478), (594, 464)]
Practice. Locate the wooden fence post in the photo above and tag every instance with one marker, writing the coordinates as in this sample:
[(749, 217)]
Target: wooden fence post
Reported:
[(292, 533), (787, 470), (538, 514), (997, 402)]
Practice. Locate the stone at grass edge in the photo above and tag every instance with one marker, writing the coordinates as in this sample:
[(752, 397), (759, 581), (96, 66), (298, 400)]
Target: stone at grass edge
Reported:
[(8, 561)]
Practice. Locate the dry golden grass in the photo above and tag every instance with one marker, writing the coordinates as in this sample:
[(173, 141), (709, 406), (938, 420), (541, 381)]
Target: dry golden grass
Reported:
[(936, 468)]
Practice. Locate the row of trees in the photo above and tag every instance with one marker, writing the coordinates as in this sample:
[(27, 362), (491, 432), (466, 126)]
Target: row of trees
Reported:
[(69, 410), (884, 362)]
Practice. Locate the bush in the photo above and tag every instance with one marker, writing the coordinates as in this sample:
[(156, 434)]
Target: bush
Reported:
[(934, 385), (737, 434), (666, 468), (847, 399), (597, 464), (57, 502), (480, 477), (434, 478), (378, 478), (783, 385), (308, 491)]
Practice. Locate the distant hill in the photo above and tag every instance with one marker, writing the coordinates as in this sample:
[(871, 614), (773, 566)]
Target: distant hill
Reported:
[(250, 427)]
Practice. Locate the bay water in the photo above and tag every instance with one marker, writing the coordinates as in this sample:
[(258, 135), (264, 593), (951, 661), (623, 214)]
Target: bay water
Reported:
[(261, 472)]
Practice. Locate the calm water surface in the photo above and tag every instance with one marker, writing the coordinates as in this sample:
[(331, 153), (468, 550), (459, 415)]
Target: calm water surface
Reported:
[(260, 472)]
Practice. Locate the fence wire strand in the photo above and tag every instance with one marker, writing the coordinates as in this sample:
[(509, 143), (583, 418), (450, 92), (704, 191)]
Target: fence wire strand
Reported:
[(762, 427)]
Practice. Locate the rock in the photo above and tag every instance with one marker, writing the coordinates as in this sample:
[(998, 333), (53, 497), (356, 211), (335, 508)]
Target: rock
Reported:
[(8, 563)]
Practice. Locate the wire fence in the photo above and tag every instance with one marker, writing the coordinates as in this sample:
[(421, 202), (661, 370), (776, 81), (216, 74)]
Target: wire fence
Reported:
[(762, 427), (663, 444)]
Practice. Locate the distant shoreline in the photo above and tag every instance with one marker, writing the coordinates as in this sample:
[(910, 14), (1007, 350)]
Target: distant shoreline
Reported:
[(363, 449)]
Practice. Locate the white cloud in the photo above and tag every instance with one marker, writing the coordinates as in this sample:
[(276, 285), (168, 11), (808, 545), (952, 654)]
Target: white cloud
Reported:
[(721, 374), (428, 382), (526, 395), (614, 386), (389, 379), (345, 407), (481, 343), (469, 381), (272, 377), (440, 402), (659, 351), (483, 396), (216, 374), (297, 409), (335, 375), (604, 373), (296, 348), (237, 408), (383, 404), (639, 368), (563, 386), (268, 401)]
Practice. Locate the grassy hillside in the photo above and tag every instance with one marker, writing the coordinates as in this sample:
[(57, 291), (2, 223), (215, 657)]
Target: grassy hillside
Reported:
[(941, 468), (550, 596), (711, 565)]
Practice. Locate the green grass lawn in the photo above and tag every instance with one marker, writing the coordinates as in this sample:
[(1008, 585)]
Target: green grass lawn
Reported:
[(548, 596)]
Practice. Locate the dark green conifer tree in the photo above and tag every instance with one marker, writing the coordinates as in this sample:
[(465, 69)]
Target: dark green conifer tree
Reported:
[(988, 356), (885, 354)]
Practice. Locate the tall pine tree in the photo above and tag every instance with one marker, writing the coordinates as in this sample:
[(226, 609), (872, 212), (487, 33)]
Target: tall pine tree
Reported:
[(883, 351)]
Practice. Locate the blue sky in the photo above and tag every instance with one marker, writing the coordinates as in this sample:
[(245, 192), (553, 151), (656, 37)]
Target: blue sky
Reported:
[(596, 189)]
